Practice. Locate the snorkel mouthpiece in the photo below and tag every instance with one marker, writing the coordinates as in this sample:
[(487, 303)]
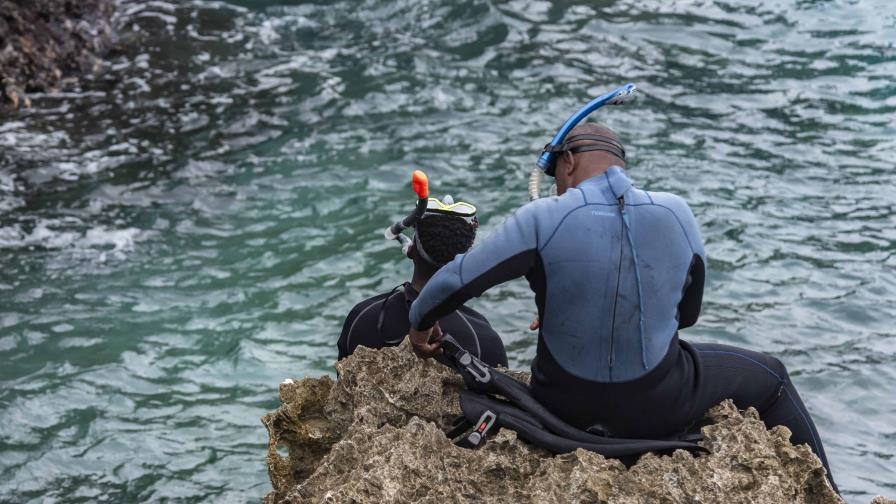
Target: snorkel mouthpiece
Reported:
[(546, 162)]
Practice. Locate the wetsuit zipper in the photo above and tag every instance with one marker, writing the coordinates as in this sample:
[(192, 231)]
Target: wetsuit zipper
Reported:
[(612, 356)]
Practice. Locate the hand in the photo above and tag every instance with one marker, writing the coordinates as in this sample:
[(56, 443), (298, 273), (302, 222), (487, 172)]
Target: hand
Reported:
[(535, 324), (426, 343)]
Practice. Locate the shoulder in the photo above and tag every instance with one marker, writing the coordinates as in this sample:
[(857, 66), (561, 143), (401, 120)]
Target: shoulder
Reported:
[(363, 307), (682, 213), (673, 202), (546, 211)]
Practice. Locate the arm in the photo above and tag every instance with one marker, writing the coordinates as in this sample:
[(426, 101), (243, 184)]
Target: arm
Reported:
[(342, 344), (692, 295), (347, 327), (692, 298), (509, 252)]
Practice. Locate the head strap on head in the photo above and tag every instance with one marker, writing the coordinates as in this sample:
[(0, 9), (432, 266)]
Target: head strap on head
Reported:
[(606, 144), (422, 252), (449, 208)]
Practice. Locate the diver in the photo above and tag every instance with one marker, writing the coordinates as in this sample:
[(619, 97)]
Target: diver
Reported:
[(616, 272), (444, 230)]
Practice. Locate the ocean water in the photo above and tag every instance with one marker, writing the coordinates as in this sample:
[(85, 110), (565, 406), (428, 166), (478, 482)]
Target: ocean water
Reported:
[(183, 232)]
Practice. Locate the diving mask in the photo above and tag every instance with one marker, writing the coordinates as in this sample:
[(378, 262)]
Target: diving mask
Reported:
[(447, 206)]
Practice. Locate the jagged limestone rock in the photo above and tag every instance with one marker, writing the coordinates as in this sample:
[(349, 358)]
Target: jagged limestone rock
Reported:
[(45, 44), (376, 390), (377, 435)]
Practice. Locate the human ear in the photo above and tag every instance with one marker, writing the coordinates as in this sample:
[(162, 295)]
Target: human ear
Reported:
[(570, 163)]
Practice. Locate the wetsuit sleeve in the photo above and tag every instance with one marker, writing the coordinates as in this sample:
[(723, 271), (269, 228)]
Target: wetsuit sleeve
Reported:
[(508, 253), (692, 296)]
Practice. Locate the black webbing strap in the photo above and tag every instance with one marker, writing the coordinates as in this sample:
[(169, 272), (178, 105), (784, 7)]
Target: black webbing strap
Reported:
[(610, 145), (586, 148)]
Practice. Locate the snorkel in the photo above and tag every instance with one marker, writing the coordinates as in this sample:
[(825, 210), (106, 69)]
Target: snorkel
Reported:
[(545, 163), (420, 184)]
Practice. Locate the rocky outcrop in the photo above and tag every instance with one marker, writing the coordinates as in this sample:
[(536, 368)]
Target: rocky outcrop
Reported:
[(376, 435), (45, 44)]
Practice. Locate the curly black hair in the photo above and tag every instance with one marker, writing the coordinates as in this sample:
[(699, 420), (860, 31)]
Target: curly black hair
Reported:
[(445, 236)]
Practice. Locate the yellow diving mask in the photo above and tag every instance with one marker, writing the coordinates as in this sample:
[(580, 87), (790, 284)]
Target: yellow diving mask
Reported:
[(447, 206)]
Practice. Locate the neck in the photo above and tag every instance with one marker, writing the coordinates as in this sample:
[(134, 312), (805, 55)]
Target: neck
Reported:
[(419, 279), (598, 164), (584, 174)]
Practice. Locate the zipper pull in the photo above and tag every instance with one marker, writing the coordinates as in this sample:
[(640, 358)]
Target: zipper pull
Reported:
[(621, 202)]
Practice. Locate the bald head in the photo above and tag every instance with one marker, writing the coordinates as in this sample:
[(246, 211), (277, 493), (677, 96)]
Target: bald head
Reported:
[(594, 129), (572, 168)]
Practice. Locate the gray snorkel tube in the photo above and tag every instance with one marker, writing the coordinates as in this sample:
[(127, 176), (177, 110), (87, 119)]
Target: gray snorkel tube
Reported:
[(545, 162)]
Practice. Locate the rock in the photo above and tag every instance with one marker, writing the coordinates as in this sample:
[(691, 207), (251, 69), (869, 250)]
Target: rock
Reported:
[(15, 94), (45, 43), (377, 435)]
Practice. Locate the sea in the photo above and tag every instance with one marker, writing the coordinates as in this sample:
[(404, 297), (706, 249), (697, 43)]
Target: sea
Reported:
[(188, 228)]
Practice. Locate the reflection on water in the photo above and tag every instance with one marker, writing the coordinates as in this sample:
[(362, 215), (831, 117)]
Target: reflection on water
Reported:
[(190, 228)]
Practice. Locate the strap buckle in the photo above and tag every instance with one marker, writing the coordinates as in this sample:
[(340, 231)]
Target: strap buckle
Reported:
[(477, 370), (470, 367), (485, 423), (551, 148)]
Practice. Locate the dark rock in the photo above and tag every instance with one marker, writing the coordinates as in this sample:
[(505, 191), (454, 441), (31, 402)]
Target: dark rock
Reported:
[(377, 435), (45, 44)]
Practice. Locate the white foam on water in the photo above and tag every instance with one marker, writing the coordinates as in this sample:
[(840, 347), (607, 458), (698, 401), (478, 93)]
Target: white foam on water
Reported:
[(98, 243)]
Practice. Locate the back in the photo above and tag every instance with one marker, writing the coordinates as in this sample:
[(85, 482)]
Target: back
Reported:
[(382, 321), (615, 270), (599, 323)]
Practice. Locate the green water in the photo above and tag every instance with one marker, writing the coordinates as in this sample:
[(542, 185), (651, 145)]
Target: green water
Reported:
[(187, 230)]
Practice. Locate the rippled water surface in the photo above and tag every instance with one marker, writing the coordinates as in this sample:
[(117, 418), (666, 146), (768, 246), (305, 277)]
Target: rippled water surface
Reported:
[(182, 233)]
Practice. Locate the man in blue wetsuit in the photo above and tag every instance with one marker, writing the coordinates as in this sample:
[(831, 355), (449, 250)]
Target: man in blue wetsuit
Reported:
[(616, 272)]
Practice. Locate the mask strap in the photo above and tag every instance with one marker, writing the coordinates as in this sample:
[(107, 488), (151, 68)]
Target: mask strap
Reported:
[(423, 253), (612, 145), (587, 148)]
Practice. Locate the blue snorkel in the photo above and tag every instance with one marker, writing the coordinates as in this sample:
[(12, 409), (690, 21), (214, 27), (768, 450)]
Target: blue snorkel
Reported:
[(545, 162)]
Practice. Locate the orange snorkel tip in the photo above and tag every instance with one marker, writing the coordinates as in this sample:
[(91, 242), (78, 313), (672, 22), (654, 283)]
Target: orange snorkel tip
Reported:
[(420, 183)]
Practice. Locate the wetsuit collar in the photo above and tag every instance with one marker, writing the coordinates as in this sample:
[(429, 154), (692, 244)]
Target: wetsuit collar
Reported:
[(613, 179)]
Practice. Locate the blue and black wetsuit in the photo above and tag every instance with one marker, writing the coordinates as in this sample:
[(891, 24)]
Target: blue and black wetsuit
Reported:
[(616, 272), (382, 321)]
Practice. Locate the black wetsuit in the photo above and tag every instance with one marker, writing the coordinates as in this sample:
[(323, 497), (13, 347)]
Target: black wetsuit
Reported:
[(616, 272), (383, 321), (689, 380)]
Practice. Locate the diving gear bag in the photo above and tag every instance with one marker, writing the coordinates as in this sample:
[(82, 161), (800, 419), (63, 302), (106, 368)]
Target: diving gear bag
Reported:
[(520, 412)]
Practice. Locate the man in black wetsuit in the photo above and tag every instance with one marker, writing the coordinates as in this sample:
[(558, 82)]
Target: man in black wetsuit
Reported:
[(616, 272), (383, 319)]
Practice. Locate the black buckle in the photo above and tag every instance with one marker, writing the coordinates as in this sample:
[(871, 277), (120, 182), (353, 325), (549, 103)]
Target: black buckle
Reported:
[(553, 148), (476, 369), (457, 357), (485, 423)]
